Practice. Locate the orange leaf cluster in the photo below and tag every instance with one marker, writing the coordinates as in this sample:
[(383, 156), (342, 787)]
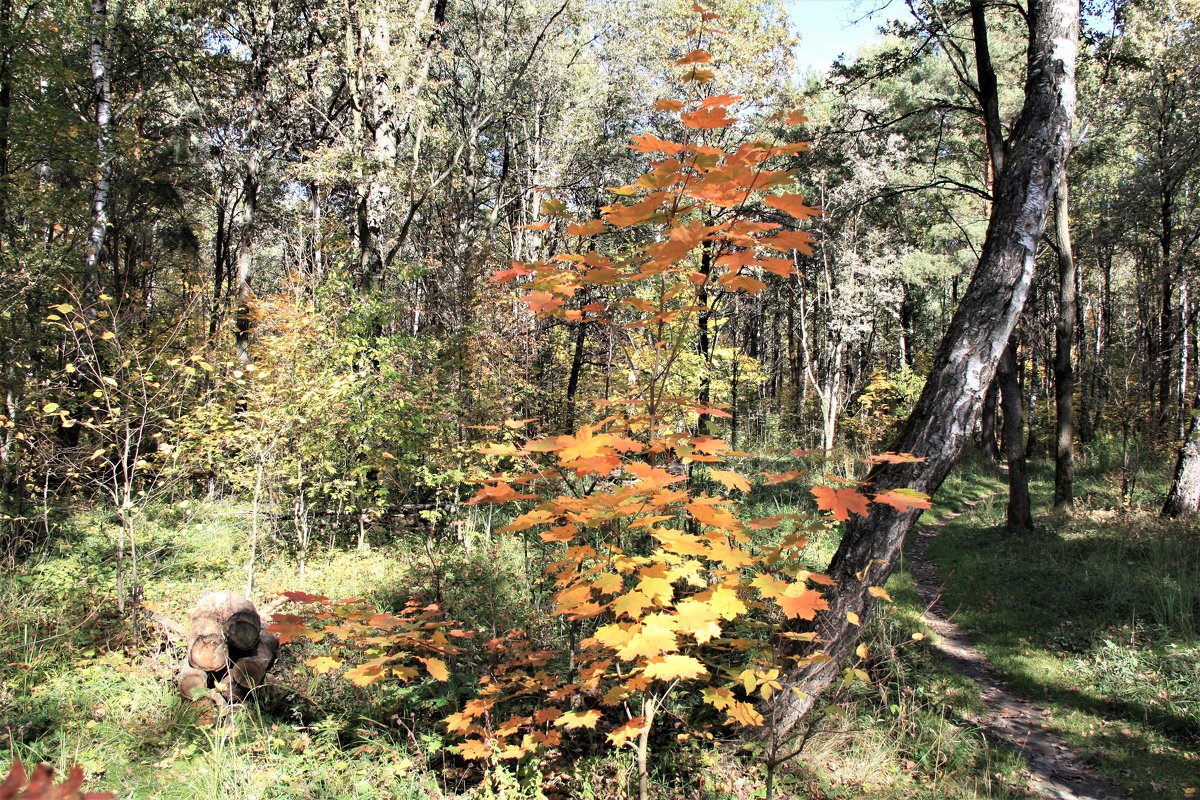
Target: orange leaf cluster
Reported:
[(368, 645), (41, 786)]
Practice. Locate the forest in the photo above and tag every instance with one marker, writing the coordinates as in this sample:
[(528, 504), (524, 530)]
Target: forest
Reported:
[(579, 399)]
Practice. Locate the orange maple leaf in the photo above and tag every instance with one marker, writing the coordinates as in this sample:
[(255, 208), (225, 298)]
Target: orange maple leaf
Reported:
[(711, 118), (789, 240), (890, 457), (904, 499), (649, 143), (515, 271), (741, 283), (783, 267), (627, 731), (590, 228), (797, 600), (840, 502), (499, 492), (730, 479), (695, 57)]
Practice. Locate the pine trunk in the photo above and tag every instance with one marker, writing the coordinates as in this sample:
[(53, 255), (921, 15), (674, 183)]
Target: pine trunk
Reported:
[(1064, 374), (1020, 517)]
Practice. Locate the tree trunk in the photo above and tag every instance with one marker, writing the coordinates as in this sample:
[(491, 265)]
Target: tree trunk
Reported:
[(191, 683), (967, 358), (1184, 498), (987, 424), (1020, 518), (242, 627), (102, 88), (704, 344), (260, 67), (573, 378), (1064, 375)]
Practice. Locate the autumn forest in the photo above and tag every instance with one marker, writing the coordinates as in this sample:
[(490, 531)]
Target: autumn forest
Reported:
[(589, 399)]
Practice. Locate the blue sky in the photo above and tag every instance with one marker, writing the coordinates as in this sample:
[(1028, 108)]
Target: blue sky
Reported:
[(830, 27)]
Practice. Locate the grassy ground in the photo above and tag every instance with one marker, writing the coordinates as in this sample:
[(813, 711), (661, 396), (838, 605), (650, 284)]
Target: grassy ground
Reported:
[(1094, 614)]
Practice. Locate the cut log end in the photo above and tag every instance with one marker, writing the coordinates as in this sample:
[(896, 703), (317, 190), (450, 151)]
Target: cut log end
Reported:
[(209, 653), (242, 629), (250, 671), (192, 683)]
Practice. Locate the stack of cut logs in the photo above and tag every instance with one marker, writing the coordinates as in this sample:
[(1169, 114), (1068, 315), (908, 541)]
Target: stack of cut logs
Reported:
[(228, 652)]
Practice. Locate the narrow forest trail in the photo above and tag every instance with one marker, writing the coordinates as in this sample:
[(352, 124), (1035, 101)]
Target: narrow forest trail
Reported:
[(1055, 770)]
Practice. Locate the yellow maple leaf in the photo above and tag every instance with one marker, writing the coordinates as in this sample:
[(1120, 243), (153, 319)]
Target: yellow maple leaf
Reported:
[(657, 589), (365, 674), (572, 597), (631, 604), (615, 635), (674, 667), (730, 479), (718, 697), (697, 618), (323, 664), (437, 669), (609, 583), (726, 603), (680, 543), (743, 714), (652, 638), (474, 749), (578, 719)]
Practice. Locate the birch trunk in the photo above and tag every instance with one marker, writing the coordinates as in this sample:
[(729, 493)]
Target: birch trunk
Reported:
[(965, 364), (102, 88)]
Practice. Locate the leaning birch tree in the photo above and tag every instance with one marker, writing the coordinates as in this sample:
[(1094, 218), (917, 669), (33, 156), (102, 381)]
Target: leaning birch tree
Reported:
[(946, 413)]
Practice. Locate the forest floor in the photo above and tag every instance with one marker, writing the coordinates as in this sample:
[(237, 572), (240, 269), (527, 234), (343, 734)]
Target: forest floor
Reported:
[(1055, 770), (1095, 618)]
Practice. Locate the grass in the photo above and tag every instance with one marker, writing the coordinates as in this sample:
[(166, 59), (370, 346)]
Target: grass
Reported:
[(1094, 616)]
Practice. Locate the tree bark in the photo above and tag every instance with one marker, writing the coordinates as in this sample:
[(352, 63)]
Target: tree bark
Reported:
[(1184, 498), (1020, 517), (987, 424), (573, 378), (261, 64), (102, 88), (966, 361), (1064, 374)]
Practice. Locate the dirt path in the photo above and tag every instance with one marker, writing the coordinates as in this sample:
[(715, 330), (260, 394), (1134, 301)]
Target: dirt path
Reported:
[(1055, 770)]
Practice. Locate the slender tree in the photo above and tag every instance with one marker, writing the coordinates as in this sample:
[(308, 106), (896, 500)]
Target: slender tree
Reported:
[(1064, 342)]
